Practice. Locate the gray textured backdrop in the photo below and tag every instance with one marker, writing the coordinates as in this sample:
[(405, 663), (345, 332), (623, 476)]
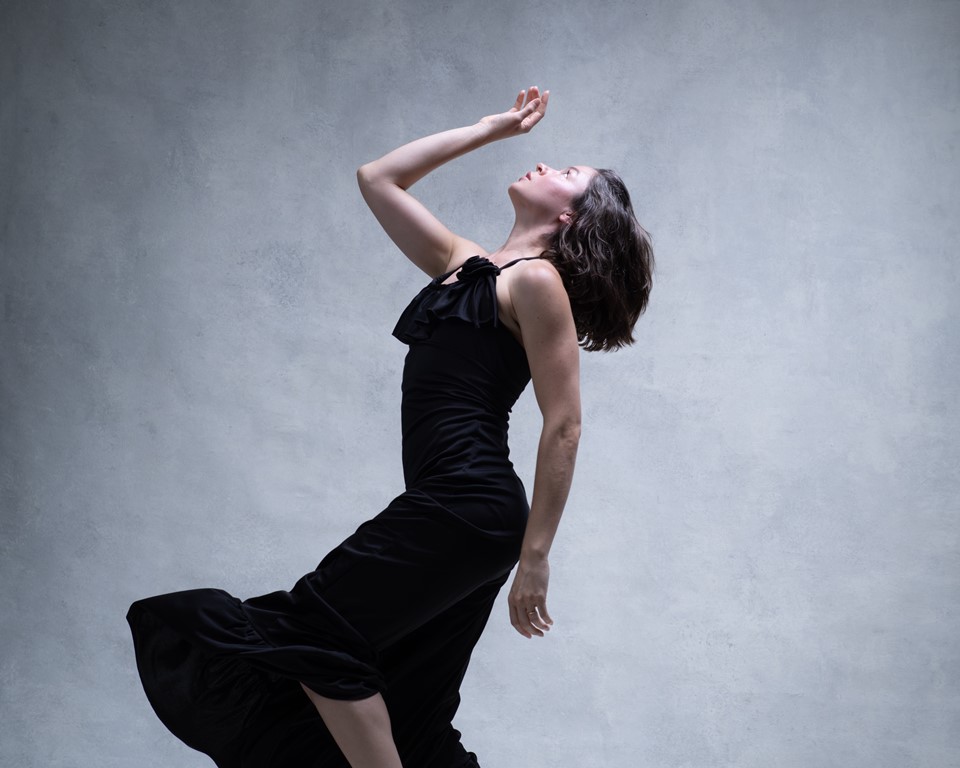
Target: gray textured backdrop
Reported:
[(759, 561)]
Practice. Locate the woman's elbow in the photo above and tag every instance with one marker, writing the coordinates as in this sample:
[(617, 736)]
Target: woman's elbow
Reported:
[(364, 174), (565, 430), (572, 431), (371, 175)]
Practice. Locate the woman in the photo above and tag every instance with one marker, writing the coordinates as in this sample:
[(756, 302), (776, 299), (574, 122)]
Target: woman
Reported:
[(377, 639)]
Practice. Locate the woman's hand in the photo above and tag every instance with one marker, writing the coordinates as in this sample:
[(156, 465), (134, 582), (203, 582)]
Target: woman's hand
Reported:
[(528, 598), (526, 112)]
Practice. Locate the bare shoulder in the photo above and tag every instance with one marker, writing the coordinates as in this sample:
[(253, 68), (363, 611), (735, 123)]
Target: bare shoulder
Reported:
[(537, 308), (546, 325), (536, 285)]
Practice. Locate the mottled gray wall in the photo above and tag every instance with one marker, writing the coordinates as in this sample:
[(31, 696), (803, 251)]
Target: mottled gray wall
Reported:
[(759, 561)]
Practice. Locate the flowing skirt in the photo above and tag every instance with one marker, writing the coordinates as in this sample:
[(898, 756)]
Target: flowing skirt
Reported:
[(396, 609)]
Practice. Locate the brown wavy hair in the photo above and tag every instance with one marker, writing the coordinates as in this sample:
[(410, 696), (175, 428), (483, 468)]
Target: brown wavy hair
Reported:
[(605, 259)]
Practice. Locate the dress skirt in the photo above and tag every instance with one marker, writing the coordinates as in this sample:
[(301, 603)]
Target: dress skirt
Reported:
[(397, 609)]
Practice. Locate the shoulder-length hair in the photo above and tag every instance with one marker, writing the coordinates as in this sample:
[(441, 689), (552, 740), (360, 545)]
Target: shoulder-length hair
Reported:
[(605, 259)]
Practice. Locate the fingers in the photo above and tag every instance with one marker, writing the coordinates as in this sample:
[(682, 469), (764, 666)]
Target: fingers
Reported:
[(519, 624), (546, 616), (541, 99), (528, 598), (530, 99), (527, 110), (521, 620), (528, 95), (530, 621), (530, 120), (535, 108), (533, 99), (537, 616)]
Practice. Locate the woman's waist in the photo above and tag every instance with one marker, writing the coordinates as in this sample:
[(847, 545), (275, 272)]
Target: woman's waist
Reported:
[(475, 455), (469, 471), (441, 412), (454, 437), (465, 490)]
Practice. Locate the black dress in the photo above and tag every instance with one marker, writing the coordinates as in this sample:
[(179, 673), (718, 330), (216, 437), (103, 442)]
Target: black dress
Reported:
[(398, 606)]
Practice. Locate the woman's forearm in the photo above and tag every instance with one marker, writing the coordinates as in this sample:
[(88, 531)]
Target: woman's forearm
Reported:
[(556, 457), (408, 164)]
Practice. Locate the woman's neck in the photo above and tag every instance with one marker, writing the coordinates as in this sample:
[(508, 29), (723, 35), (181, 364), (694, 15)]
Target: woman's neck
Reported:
[(522, 242)]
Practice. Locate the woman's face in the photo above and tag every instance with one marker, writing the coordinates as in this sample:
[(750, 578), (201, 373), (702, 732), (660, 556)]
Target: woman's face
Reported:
[(550, 191)]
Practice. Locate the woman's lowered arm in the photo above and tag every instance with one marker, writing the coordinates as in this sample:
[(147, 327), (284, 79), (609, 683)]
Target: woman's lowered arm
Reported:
[(550, 339)]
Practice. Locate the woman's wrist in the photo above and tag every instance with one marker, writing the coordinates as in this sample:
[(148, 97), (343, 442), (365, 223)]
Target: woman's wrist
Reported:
[(484, 133), (533, 553)]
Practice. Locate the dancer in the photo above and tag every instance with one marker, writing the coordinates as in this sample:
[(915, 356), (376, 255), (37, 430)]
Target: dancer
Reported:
[(361, 662)]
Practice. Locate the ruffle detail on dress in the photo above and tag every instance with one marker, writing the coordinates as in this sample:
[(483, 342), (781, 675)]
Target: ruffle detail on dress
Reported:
[(472, 299)]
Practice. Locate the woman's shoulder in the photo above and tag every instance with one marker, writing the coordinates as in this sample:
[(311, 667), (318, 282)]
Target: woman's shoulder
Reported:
[(533, 289), (535, 275)]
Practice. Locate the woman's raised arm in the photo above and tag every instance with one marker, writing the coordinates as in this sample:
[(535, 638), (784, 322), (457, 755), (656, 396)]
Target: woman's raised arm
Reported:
[(384, 182)]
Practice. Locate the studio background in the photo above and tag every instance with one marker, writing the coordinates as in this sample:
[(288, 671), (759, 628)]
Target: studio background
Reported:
[(758, 564)]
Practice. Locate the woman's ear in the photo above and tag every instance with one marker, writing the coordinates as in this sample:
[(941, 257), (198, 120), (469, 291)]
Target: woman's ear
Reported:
[(566, 217)]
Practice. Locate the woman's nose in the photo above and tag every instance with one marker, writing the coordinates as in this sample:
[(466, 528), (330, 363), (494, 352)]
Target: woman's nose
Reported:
[(541, 167)]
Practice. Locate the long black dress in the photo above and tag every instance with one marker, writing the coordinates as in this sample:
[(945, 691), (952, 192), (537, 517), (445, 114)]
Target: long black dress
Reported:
[(398, 606)]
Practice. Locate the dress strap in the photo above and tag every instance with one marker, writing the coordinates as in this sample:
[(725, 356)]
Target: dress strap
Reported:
[(480, 260), (522, 258)]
